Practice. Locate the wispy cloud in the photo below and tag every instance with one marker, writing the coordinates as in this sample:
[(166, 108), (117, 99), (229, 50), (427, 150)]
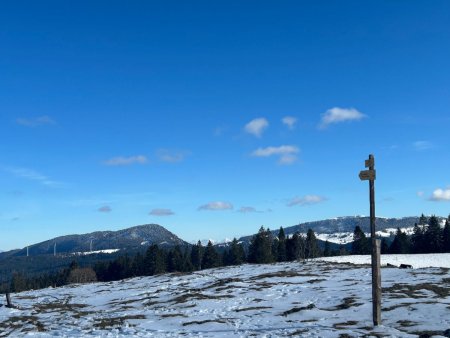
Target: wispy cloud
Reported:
[(120, 160), (257, 126), (338, 115), (440, 195), (168, 156), (33, 175), (161, 212), (306, 200), (420, 193), (35, 122), (422, 145), (289, 121), (105, 208), (215, 206), (246, 210), (287, 153)]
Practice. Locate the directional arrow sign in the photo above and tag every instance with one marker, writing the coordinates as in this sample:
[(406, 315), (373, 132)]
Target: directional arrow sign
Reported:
[(366, 175), (369, 163)]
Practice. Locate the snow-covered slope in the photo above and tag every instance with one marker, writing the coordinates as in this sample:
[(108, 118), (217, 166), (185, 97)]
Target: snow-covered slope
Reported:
[(313, 299)]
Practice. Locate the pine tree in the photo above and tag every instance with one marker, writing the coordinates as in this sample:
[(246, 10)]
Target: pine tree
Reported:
[(211, 257), (384, 246), (312, 249), (236, 253), (446, 236), (400, 245), (281, 257), (423, 220), (433, 236), (360, 245), (327, 249), (197, 256), (155, 261), (417, 239), (260, 249)]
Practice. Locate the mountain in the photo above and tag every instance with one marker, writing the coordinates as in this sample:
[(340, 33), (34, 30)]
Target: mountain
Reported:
[(129, 238)]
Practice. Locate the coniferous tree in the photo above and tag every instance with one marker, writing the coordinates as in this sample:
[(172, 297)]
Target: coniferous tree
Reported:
[(433, 235), (312, 248), (236, 253), (211, 257), (175, 260), (423, 220), (360, 245), (293, 247), (446, 236), (155, 262), (327, 249), (281, 254), (400, 245), (197, 256), (417, 239), (260, 249), (384, 246)]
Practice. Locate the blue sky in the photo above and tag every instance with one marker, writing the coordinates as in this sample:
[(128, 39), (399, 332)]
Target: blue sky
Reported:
[(214, 118)]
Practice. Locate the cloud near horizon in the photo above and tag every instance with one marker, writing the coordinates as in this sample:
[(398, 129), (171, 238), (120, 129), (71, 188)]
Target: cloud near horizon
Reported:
[(289, 121), (287, 153), (338, 115), (216, 206), (422, 145), (105, 208), (246, 210), (257, 126), (120, 160), (33, 175), (165, 155), (161, 212), (439, 195), (306, 200), (36, 122)]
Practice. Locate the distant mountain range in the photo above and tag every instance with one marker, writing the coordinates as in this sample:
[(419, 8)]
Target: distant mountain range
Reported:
[(336, 230), (344, 225), (135, 237)]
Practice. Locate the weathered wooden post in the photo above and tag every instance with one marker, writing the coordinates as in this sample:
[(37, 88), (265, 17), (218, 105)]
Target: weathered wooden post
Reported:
[(8, 300), (370, 175)]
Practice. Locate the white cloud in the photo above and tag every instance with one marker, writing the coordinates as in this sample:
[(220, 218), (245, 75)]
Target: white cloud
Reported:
[(247, 210), (257, 126), (422, 145), (117, 161), (441, 195), (105, 208), (337, 115), (289, 121), (33, 175), (287, 153), (161, 212), (165, 155), (306, 200), (218, 205), (35, 122)]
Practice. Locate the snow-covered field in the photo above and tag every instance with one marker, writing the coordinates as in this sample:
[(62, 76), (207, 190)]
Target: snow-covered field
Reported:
[(312, 299), (417, 261)]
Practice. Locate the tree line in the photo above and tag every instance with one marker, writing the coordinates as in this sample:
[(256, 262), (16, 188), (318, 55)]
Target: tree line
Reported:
[(427, 237), (264, 247)]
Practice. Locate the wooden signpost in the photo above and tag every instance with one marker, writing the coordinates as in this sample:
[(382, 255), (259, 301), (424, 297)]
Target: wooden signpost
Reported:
[(370, 175)]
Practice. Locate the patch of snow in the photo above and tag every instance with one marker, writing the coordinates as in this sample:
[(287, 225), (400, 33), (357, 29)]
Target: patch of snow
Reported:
[(107, 251)]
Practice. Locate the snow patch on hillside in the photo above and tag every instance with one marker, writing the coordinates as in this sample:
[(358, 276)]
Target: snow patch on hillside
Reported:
[(106, 251)]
